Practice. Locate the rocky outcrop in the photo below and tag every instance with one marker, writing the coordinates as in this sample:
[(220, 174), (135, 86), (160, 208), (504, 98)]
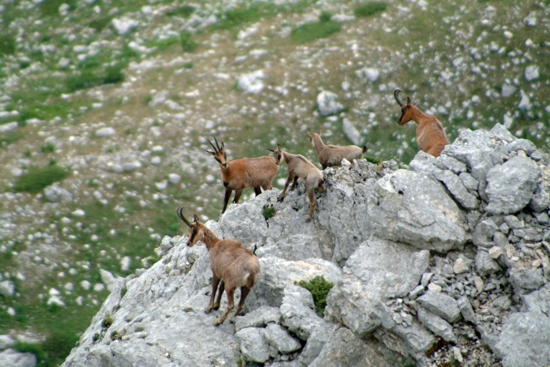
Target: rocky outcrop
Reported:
[(447, 260)]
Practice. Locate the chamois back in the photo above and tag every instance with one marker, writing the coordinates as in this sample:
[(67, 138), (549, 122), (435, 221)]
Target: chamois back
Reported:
[(332, 155)]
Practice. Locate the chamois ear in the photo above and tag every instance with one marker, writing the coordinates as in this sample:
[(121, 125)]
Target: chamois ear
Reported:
[(279, 146), (222, 145), (271, 150), (196, 218), (207, 151), (408, 100)]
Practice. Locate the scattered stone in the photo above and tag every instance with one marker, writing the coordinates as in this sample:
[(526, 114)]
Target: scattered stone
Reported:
[(327, 104), (441, 305)]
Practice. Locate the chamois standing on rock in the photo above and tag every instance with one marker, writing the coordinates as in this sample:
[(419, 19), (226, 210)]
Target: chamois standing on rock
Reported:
[(430, 135), (232, 266), (332, 155), (300, 167), (242, 173)]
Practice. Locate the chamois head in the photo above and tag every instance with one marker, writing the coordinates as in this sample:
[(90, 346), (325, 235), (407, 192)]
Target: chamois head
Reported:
[(277, 153), (406, 109), (219, 153), (314, 137), (196, 229)]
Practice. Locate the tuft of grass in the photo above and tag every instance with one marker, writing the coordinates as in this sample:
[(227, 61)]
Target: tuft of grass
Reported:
[(107, 322), (319, 289), (48, 148), (100, 23), (7, 44), (370, 9), (325, 16), (268, 212), (184, 11), (312, 31), (38, 178), (374, 160), (9, 138), (50, 8), (188, 43)]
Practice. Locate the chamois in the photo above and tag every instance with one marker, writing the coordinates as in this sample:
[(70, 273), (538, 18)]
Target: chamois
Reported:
[(430, 135), (300, 167), (232, 266), (242, 173), (332, 155)]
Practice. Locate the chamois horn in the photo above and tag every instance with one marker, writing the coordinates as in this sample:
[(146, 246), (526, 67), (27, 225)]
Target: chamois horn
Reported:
[(179, 211), (396, 95), (216, 140)]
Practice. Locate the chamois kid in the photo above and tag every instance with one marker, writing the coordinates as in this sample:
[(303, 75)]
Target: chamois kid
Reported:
[(242, 173), (332, 155), (232, 266), (430, 135), (300, 167)]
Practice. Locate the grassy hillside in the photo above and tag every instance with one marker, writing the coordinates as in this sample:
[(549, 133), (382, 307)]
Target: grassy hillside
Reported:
[(164, 76)]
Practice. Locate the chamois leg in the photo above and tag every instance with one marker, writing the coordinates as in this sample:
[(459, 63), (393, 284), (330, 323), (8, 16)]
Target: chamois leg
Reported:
[(230, 293), (257, 190), (311, 204), (237, 195), (290, 178), (219, 297), (321, 187), (294, 183), (244, 293), (226, 198), (215, 282)]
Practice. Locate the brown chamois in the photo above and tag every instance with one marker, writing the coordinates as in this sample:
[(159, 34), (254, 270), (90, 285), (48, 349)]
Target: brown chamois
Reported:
[(332, 155), (430, 135), (300, 167), (242, 173), (232, 266)]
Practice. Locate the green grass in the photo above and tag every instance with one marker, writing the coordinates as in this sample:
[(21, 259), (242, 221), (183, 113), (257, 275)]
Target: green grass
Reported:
[(7, 44), (48, 148), (50, 8), (240, 15), (313, 31), (53, 351), (319, 289), (184, 11), (9, 138), (370, 9), (100, 23), (188, 42), (36, 179), (268, 212)]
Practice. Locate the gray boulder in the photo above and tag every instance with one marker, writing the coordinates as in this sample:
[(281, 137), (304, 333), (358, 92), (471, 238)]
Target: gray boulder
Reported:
[(524, 340), (279, 337), (377, 272), (511, 185), (253, 344), (298, 313), (441, 305), (346, 349), (416, 210), (13, 358), (436, 325)]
